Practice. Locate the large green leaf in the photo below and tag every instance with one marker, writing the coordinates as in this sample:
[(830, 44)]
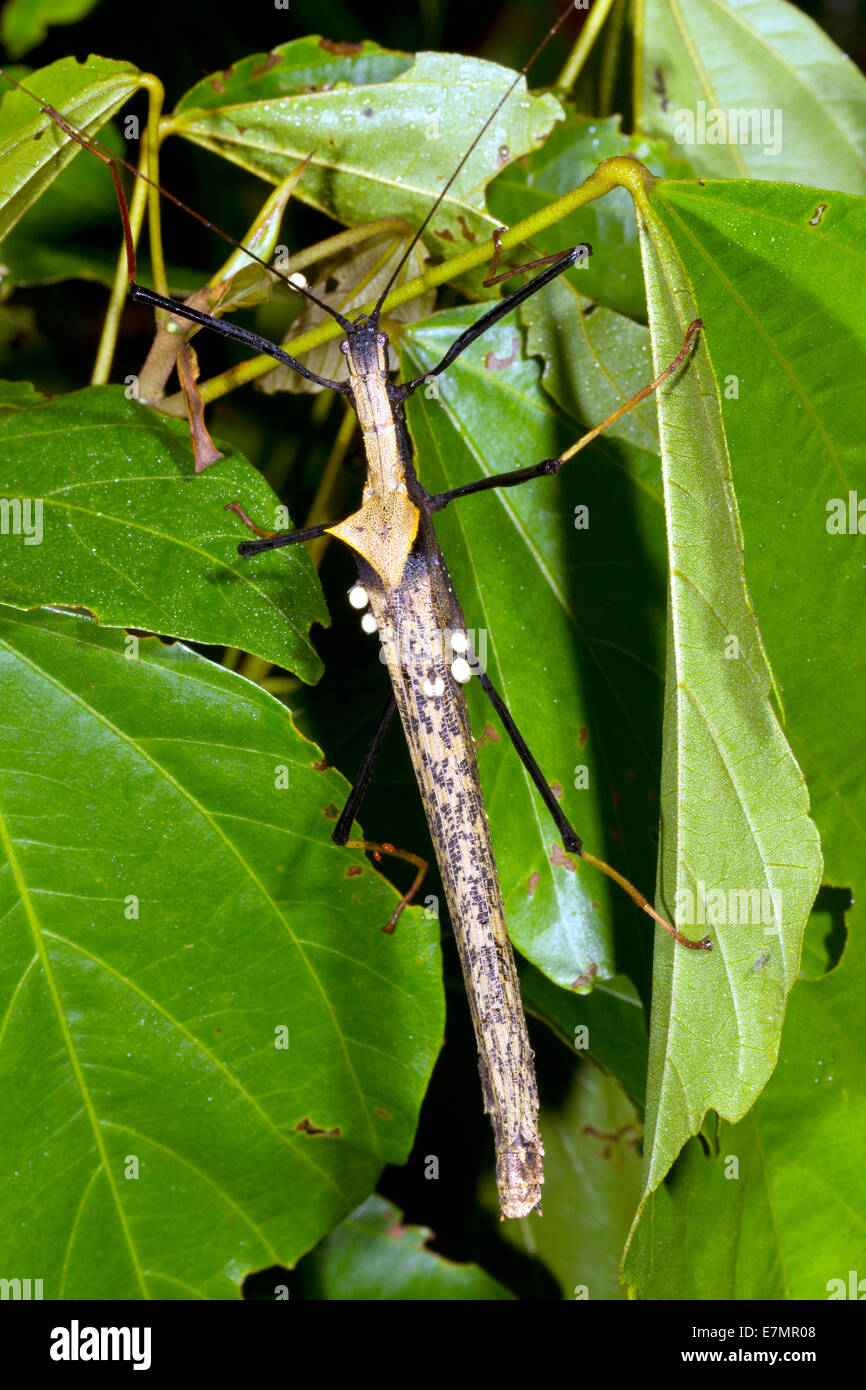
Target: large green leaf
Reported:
[(383, 148), (798, 102), (230, 1049), (789, 339), (129, 532), (728, 796), (372, 1256), (739, 853)]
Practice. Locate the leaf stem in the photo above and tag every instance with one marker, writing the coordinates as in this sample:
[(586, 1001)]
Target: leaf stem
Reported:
[(142, 194), (581, 50)]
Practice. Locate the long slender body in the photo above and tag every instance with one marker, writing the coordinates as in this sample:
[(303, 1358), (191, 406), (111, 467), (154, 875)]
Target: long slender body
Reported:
[(411, 597)]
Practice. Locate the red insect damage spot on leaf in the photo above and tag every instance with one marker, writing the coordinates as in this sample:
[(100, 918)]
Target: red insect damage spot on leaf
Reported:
[(557, 790), (616, 798), (560, 860), (270, 62), (626, 1136), (582, 735), (532, 884), (586, 979), (331, 812), (488, 735), (321, 767), (220, 79), (354, 870), (348, 50), (307, 1127), (497, 364)]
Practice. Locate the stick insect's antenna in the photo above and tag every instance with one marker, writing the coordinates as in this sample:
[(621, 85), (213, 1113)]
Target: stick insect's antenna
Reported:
[(87, 142), (490, 119)]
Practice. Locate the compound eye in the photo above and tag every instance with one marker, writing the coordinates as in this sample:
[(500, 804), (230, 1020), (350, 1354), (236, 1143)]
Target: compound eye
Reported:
[(344, 346)]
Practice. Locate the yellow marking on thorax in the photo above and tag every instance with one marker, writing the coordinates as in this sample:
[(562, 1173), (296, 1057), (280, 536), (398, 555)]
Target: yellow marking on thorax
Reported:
[(383, 531), (385, 527)]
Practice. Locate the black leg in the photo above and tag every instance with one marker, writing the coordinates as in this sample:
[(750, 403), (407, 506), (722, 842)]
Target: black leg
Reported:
[(546, 469), (356, 795), (511, 301), (570, 839), (248, 548), (270, 540), (231, 330)]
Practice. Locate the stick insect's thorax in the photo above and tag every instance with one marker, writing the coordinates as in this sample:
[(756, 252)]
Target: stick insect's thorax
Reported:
[(385, 527)]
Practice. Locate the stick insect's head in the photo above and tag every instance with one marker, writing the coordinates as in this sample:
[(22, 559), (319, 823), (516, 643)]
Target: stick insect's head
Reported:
[(366, 346)]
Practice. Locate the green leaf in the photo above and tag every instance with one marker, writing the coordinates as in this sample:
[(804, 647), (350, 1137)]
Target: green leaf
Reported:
[(799, 104), (739, 853), (381, 145), (373, 1256), (25, 23), (33, 148), (789, 339), (591, 1185), (172, 904), (120, 525), (777, 1213)]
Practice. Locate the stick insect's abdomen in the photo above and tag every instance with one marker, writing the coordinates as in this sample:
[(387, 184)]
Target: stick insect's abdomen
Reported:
[(436, 724)]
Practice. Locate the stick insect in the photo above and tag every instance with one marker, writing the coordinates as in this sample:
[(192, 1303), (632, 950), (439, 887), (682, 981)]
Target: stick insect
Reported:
[(405, 589)]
